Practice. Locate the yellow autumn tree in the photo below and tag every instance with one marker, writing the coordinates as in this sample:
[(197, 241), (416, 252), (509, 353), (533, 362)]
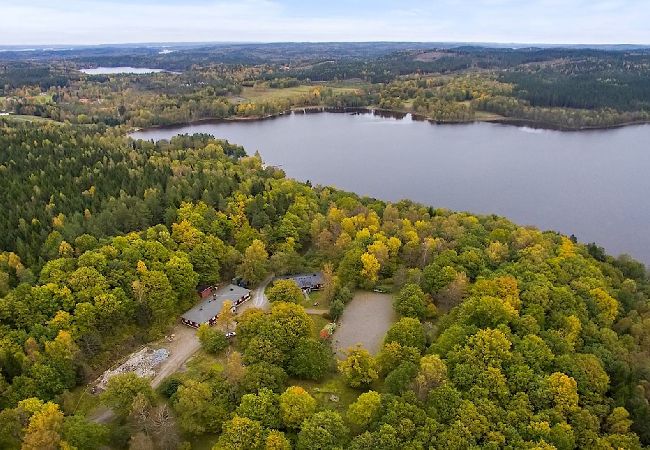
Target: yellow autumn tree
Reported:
[(44, 429), (605, 306), (563, 392), (371, 266)]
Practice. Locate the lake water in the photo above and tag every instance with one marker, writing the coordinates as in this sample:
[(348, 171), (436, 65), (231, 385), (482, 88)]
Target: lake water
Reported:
[(119, 70), (594, 184)]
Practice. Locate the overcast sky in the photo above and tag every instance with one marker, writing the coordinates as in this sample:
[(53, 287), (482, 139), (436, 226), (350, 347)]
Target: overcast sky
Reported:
[(28, 22)]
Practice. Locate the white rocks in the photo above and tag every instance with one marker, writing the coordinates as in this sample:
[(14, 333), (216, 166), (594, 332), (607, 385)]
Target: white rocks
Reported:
[(142, 363)]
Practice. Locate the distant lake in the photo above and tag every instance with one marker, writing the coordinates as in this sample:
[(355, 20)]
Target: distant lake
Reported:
[(118, 70), (594, 184)]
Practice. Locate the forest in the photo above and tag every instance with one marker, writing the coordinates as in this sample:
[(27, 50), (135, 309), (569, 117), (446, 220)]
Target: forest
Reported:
[(564, 88), (506, 336)]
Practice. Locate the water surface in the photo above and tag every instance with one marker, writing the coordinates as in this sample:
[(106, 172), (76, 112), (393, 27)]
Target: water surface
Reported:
[(119, 70), (594, 184)]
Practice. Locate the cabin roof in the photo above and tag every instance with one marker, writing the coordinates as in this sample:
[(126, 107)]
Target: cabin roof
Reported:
[(305, 280), (210, 306)]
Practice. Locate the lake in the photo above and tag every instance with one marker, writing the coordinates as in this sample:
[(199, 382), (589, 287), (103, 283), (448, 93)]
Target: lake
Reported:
[(119, 70), (594, 184)]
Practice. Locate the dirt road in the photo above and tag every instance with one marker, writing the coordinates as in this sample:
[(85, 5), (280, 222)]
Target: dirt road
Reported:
[(258, 297), (184, 345)]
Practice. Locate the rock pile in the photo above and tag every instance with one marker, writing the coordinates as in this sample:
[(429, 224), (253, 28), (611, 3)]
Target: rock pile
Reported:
[(142, 363)]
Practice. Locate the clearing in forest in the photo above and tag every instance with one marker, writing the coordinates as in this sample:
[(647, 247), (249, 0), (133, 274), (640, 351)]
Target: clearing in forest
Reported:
[(365, 321)]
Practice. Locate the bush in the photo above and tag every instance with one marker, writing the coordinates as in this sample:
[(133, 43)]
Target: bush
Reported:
[(169, 386), (336, 309)]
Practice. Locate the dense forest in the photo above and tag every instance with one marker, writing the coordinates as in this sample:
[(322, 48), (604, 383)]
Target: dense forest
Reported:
[(507, 337), (566, 88)]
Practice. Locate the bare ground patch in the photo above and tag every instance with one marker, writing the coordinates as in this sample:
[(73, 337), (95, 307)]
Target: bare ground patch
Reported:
[(365, 321)]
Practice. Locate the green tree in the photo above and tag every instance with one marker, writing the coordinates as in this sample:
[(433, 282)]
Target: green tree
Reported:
[(197, 408), (285, 291), (400, 380), (212, 340), (336, 309), (407, 332), (264, 375), (392, 354), (122, 389), (365, 409), (182, 277), (10, 428), (432, 373), (83, 434), (563, 392), (359, 368), (263, 407), (618, 421), (310, 359), (253, 267), (296, 405), (241, 433), (411, 302), (275, 440), (324, 430)]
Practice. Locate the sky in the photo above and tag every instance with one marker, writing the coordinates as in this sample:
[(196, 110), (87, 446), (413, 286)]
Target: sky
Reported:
[(77, 22)]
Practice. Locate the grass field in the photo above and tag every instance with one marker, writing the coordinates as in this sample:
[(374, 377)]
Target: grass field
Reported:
[(26, 118), (314, 297), (319, 323), (79, 401), (264, 93), (484, 115), (41, 99), (331, 393)]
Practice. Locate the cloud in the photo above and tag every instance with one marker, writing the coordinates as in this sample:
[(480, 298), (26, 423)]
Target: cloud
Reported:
[(119, 21)]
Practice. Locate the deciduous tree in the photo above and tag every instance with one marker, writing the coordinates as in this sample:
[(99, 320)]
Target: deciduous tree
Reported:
[(359, 368), (296, 405)]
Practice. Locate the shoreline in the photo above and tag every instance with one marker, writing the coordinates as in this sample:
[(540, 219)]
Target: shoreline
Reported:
[(394, 114)]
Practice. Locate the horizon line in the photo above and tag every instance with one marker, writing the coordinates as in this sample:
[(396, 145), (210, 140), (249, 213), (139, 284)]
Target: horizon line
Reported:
[(65, 46)]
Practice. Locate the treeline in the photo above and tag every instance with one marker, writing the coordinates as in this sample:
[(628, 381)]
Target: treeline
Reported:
[(561, 118), (625, 87), (16, 75)]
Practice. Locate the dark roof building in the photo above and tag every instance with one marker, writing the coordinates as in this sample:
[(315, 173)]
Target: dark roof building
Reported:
[(312, 280), (207, 310)]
